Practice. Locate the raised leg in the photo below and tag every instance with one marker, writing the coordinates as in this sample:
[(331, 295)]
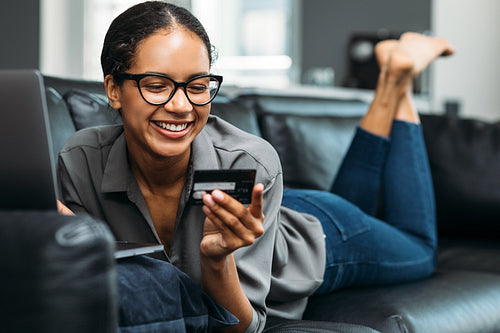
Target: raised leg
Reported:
[(387, 150), (400, 62)]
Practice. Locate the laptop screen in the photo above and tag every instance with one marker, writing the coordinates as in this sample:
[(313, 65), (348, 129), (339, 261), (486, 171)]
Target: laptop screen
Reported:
[(27, 169)]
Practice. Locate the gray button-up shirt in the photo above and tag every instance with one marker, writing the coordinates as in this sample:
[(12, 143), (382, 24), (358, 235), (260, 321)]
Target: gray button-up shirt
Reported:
[(278, 272)]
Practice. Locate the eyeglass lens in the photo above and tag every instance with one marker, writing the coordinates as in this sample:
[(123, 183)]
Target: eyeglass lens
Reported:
[(158, 90)]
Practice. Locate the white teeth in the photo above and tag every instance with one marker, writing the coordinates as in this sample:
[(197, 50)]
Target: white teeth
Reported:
[(171, 127)]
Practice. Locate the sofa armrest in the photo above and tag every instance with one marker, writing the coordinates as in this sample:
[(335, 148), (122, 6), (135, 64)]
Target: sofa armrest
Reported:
[(58, 274)]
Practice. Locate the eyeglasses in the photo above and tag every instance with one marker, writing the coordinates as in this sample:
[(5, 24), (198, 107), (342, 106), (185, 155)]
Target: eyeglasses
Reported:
[(158, 89)]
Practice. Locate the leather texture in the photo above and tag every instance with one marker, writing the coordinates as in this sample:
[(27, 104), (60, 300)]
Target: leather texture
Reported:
[(312, 133), (479, 255), (320, 142), (451, 301), (279, 325), (61, 124), (88, 109), (464, 157), (64, 85), (58, 274), (236, 113)]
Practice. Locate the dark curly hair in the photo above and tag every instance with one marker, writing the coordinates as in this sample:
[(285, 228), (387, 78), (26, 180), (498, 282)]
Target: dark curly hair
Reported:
[(137, 23)]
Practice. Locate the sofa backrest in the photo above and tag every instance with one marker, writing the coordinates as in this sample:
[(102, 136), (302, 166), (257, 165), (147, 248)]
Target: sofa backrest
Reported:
[(76, 104), (68, 111), (464, 156), (311, 133), (64, 85), (315, 128)]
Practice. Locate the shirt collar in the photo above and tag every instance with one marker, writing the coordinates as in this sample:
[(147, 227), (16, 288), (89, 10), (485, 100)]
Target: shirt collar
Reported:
[(117, 170), (203, 152)]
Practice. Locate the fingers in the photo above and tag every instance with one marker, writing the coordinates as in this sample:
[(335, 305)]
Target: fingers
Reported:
[(257, 200), (233, 218), (232, 233), (62, 209)]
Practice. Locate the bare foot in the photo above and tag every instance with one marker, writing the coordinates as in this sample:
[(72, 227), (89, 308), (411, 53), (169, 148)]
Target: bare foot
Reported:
[(383, 51), (400, 62), (420, 49), (396, 69), (423, 49), (396, 66), (400, 72)]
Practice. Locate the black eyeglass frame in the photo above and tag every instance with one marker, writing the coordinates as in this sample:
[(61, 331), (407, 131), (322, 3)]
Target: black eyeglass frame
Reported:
[(138, 77)]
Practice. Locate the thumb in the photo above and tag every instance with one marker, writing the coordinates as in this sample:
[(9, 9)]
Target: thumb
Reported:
[(255, 207)]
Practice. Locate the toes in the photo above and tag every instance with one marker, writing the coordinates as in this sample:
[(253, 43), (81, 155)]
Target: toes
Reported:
[(446, 47), (383, 50), (424, 49)]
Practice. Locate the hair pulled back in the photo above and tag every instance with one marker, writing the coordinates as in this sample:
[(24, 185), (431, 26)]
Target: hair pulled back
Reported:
[(136, 24)]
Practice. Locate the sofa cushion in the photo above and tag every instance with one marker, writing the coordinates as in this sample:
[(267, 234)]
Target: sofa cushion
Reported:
[(236, 113), (469, 254), (89, 109), (451, 301), (281, 325), (464, 156), (311, 135), (309, 161)]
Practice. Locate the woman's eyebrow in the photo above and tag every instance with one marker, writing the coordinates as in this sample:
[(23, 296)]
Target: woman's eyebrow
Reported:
[(199, 74), (188, 78)]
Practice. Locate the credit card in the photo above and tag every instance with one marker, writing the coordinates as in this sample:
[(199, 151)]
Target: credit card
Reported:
[(237, 183)]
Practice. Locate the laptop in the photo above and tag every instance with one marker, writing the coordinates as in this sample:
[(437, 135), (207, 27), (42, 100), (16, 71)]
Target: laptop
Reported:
[(27, 166), (130, 249), (27, 170)]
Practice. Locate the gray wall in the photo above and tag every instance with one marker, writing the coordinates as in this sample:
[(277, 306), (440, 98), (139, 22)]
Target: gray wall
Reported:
[(19, 34), (328, 24), (326, 27)]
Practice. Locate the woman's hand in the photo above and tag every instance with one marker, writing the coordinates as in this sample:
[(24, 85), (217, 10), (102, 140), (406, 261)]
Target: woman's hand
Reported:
[(63, 210), (229, 224)]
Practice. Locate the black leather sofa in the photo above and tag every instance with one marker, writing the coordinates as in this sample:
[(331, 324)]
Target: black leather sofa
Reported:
[(311, 130)]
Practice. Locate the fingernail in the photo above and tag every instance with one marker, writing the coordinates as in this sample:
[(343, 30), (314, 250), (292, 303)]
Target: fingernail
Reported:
[(208, 200), (218, 196)]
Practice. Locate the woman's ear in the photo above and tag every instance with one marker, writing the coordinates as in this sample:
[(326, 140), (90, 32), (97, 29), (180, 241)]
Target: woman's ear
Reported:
[(113, 92)]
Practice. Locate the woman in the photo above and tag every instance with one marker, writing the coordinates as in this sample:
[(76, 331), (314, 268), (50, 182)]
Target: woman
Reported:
[(266, 257)]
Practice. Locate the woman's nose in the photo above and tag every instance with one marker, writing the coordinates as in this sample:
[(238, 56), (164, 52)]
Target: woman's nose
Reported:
[(179, 102)]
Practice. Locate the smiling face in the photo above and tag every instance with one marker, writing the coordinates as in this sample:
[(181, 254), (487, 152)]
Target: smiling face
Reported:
[(164, 131)]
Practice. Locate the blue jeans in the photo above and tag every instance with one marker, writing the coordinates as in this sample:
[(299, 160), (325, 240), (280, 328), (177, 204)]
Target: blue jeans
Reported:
[(379, 218), (155, 296)]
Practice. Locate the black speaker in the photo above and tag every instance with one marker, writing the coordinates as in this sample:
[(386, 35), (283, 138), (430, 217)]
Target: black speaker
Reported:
[(363, 67)]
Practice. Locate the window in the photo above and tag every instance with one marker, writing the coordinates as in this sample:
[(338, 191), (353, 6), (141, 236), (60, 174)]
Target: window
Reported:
[(72, 33), (254, 38), (98, 15)]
